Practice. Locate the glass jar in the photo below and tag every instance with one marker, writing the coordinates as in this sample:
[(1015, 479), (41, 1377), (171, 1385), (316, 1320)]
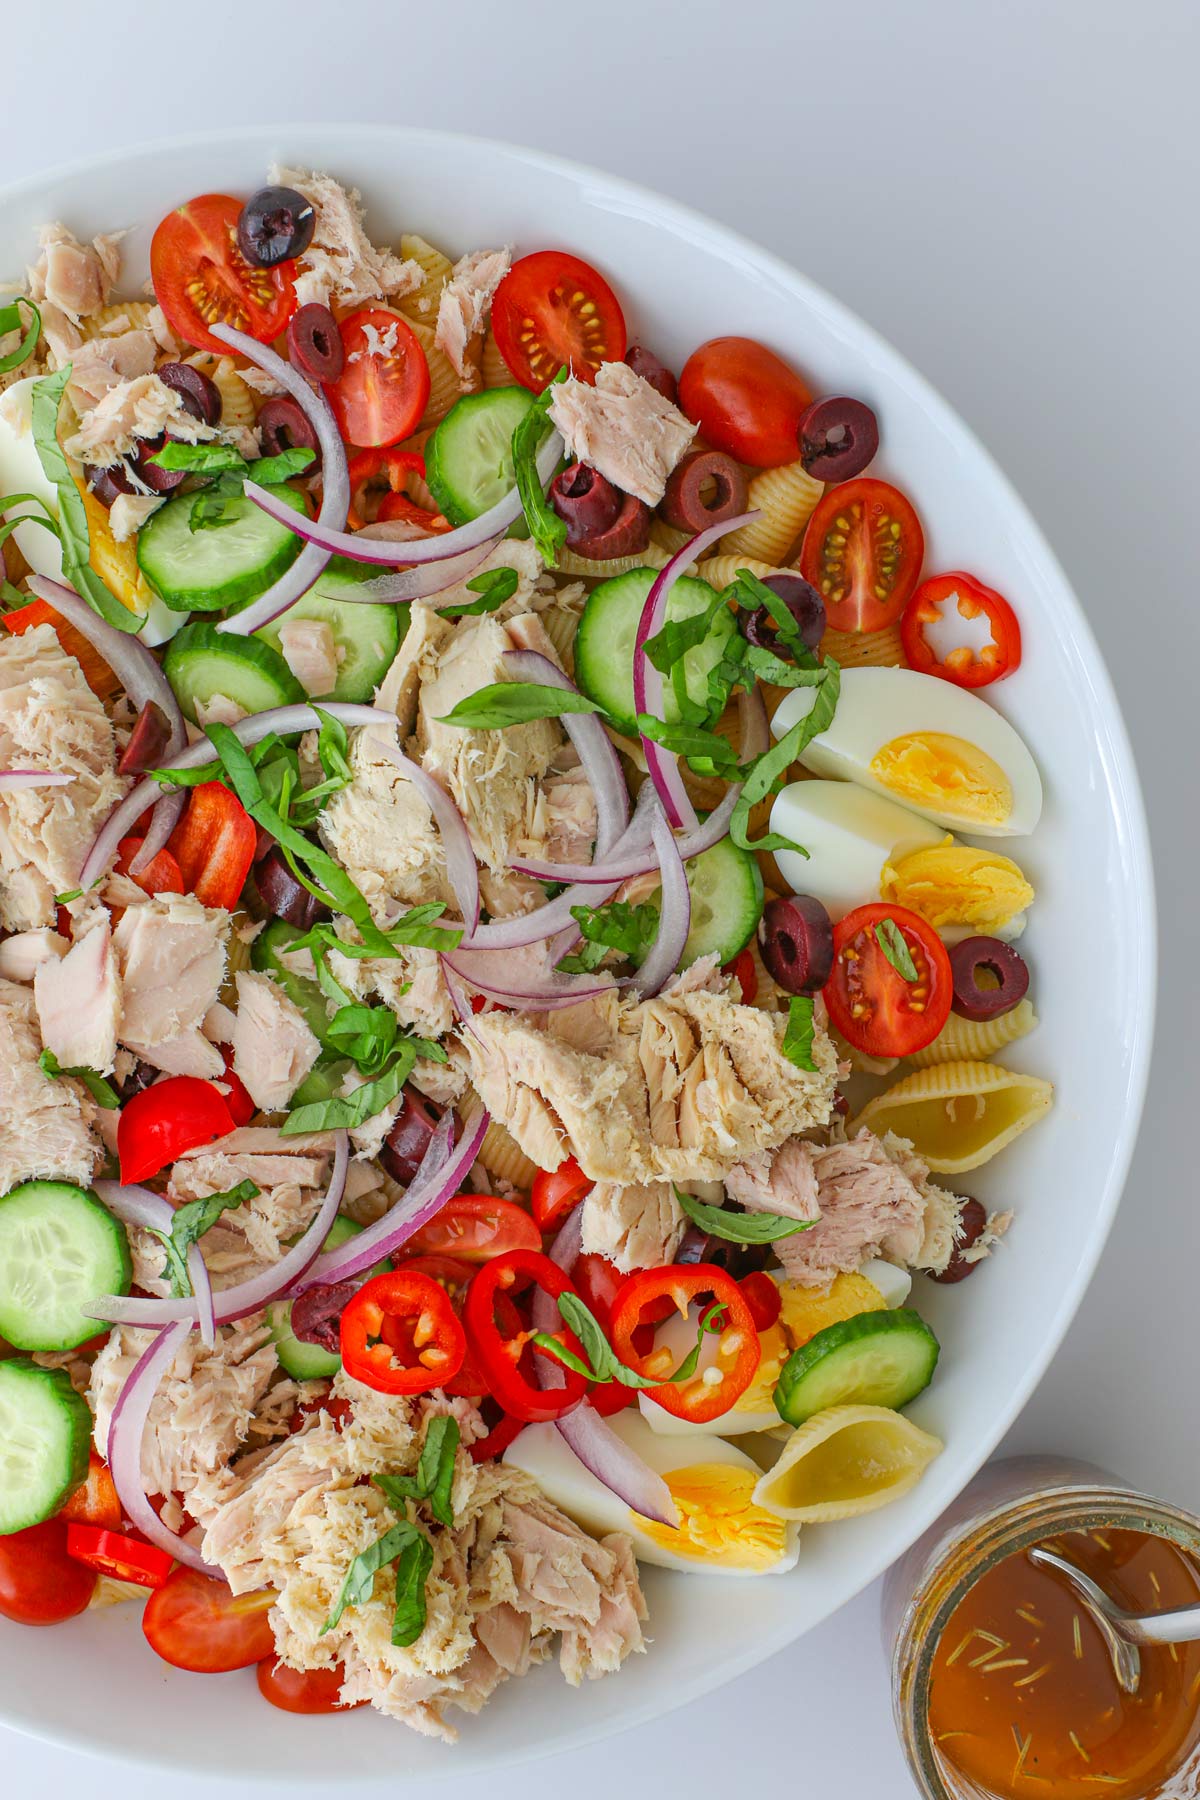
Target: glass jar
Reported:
[(1009, 1506)]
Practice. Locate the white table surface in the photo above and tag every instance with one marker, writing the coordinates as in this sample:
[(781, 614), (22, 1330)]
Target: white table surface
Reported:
[(1009, 194)]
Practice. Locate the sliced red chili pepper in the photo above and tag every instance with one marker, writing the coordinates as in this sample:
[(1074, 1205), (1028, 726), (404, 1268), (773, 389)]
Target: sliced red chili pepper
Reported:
[(401, 1335), (966, 665), (214, 845), (497, 1440), (713, 1389), (505, 1360), (556, 1192), (454, 1275), (124, 1558), (241, 1107), (161, 875), (163, 1121), (762, 1296)]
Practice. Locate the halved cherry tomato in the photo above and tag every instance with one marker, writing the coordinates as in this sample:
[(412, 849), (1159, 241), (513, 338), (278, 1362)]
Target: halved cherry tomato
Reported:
[(214, 845), (303, 1690), (201, 277), (476, 1227), (39, 1583), (197, 1623), (401, 1335), (962, 665), (113, 1553), (163, 1121), (762, 1296), (241, 1107), (737, 1347), (96, 672), (162, 874), (511, 1379), (871, 1003), (552, 309), (95, 1503), (557, 1192), (747, 975), (384, 387), (862, 551), (746, 400)]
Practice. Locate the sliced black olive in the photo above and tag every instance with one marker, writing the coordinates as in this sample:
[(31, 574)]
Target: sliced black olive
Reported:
[(106, 484), (628, 534), (585, 501), (795, 937), (703, 489), (317, 1313), (838, 437), (147, 741), (284, 896), (162, 481), (408, 1140), (285, 426), (200, 396), (315, 343), (275, 224), (972, 1220), (644, 363), (1005, 977), (802, 601)]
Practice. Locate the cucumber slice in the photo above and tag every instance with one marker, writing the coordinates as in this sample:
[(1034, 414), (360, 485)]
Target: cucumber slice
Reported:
[(468, 460), (367, 636), (227, 565), (873, 1359), (607, 629), (301, 989), (727, 902), (202, 661), (59, 1250), (304, 1361), (45, 1436)]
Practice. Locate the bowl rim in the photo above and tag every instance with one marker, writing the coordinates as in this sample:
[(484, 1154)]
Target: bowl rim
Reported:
[(1115, 757)]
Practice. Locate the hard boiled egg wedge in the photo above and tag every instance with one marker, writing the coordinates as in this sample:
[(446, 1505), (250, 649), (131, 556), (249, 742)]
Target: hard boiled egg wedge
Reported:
[(850, 835), (937, 749), (21, 473), (721, 1530)]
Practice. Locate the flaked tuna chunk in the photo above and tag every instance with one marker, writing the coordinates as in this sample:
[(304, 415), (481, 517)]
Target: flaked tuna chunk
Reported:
[(465, 304), (101, 363), (42, 1129), (128, 413), (171, 952), (22, 955), (624, 428), (73, 277), (341, 261), (310, 651), (273, 1046), (567, 1581), (868, 1207), (383, 833), (634, 1227), (414, 661), (78, 1000), (781, 1181)]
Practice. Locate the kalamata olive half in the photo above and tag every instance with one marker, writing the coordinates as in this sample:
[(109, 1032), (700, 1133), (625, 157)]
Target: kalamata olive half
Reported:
[(1006, 977), (408, 1140), (703, 489), (317, 1313), (795, 937), (838, 438), (284, 427), (283, 895), (315, 343), (644, 363), (200, 396), (802, 601), (162, 481), (106, 484), (738, 1260), (275, 224), (147, 741), (585, 500), (628, 534), (972, 1220)]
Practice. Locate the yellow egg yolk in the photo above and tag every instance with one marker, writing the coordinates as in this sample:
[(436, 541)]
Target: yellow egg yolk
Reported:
[(952, 884), (946, 775), (718, 1518)]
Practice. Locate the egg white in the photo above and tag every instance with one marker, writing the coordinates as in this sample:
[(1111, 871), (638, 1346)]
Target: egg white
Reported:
[(849, 833), (21, 473), (875, 706), (542, 1452)]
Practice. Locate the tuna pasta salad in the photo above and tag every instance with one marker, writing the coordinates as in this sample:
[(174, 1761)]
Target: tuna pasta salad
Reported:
[(506, 933)]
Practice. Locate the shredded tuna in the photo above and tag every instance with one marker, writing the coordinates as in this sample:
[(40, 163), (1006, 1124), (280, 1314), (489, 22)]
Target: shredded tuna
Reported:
[(22, 955), (634, 1227), (781, 1181), (868, 1206), (464, 306), (341, 262), (42, 1129), (74, 278), (273, 1046), (78, 1000), (101, 363), (624, 428), (310, 651), (171, 954), (129, 512), (128, 413)]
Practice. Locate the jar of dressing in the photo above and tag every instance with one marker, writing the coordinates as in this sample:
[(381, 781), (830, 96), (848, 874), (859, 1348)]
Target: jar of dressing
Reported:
[(1002, 1686)]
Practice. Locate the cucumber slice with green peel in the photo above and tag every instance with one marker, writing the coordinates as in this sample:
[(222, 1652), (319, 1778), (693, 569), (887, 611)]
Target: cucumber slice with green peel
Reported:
[(367, 635), (605, 639), (226, 565), (59, 1250), (301, 1360), (202, 662), (727, 902), (468, 460), (265, 956), (873, 1359), (45, 1437)]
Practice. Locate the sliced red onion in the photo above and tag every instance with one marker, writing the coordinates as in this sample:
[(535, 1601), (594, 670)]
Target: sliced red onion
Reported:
[(439, 1176), (422, 582), (140, 674), (33, 778), (663, 767), (461, 866), (142, 1206), (126, 1429), (491, 972), (601, 764), (359, 547), (283, 719), (675, 913), (459, 1000), (248, 1296), (335, 478)]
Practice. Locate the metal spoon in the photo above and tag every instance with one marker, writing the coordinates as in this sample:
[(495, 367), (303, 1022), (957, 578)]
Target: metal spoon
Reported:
[(1123, 1631)]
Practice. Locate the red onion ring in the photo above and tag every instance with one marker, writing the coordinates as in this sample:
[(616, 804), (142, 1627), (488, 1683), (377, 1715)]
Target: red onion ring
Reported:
[(359, 547), (335, 494), (461, 867), (663, 767), (601, 764), (142, 1206), (675, 913), (422, 582), (459, 1001), (491, 972), (126, 1429), (283, 719), (13, 779), (439, 1176)]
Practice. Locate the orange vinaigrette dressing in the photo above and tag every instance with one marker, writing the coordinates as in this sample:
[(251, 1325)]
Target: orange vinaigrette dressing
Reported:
[(1023, 1699)]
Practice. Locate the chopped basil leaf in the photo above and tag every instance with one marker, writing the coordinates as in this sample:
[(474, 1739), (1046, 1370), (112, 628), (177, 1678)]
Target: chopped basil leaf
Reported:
[(190, 1223), (506, 703), (212, 507), (412, 1572), (73, 532), (620, 926), (352, 1110), (669, 646), (603, 1364), (10, 320), (739, 1228), (415, 927), (751, 593), (218, 459), (890, 939), (66, 899), (547, 530), (434, 1478), (494, 587), (365, 1034), (102, 1091), (770, 767), (798, 1035), (359, 1584), (707, 752)]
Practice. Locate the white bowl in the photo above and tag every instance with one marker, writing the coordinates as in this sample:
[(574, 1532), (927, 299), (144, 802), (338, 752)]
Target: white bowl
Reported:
[(93, 1684)]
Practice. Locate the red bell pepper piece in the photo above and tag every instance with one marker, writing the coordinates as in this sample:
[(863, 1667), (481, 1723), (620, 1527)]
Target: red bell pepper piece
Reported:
[(214, 845), (124, 1558), (965, 666), (161, 875), (163, 1121)]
